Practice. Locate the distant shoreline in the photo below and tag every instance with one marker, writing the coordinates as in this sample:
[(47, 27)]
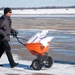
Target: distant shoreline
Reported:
[(43, 7)]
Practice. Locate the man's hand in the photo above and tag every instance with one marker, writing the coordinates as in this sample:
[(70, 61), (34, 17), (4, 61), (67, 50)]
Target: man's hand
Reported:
[(14, 33)]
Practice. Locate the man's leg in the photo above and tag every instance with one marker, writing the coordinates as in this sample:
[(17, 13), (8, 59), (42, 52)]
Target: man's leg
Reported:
[(1, 46), (7, 49), (1, 50)]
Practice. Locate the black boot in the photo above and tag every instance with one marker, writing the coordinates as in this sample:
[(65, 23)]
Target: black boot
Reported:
[(1, 65), (14, 65)]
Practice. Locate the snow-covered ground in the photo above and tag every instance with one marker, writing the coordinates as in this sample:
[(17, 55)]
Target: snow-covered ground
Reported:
[(43, 11), (24, 68)]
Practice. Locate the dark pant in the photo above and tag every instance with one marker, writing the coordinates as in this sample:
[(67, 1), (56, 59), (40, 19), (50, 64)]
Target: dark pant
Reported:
[(5, 47)]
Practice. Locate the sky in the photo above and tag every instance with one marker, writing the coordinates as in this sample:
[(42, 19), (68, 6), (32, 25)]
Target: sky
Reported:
[(36, 3)]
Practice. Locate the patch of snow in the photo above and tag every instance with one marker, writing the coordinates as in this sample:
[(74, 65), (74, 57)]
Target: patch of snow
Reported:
[(24, 68)]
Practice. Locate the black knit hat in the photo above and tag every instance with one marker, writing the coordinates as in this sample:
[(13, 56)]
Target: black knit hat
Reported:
[(6, 10)]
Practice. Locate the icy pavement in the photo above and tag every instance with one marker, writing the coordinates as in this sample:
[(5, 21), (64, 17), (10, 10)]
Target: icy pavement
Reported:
[(24, 68)]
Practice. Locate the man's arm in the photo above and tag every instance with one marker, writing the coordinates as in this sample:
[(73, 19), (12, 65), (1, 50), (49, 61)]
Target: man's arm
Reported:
[(1, 28)]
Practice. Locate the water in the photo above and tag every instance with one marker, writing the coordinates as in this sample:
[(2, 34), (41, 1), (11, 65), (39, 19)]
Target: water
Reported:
[(62, 47), (63, 42)]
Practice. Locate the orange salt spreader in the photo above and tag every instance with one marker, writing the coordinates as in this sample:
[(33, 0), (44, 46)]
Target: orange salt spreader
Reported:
[(38, 45)]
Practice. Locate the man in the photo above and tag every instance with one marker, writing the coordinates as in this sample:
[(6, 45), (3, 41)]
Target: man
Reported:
[(5, 30)]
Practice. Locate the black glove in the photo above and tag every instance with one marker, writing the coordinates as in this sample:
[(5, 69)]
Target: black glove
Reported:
[(14, 33), (4, 38), (1, 37)]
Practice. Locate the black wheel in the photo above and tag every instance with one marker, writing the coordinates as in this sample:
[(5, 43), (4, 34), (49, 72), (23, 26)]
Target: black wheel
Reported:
[(36, 64), (49, 62)]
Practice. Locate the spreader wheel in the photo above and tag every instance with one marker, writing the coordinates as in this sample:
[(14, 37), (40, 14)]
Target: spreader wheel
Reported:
[(36, 64), (49, 62)]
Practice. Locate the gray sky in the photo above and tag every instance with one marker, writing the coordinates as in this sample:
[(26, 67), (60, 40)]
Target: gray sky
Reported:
[(35, 3)]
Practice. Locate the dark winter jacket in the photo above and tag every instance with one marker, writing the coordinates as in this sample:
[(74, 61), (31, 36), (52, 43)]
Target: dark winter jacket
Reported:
[(5, 28)]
